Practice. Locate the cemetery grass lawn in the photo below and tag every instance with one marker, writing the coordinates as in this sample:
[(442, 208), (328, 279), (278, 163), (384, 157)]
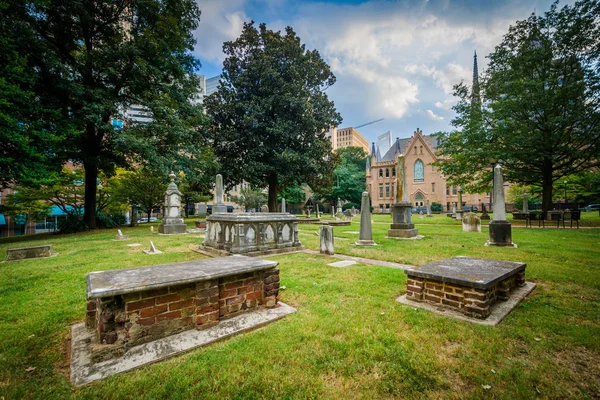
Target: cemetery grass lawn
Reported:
[(349, 338)]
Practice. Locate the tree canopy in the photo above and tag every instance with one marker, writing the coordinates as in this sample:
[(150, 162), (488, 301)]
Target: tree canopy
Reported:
[(538, 108), (85, 63), (270, 112), (349, 177)]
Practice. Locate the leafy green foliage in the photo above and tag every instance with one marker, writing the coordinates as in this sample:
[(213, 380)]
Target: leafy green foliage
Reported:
[(540, 110), (293, 194), (141, 188), (270, 112), (250, 198), (93, 59), (349, 178)]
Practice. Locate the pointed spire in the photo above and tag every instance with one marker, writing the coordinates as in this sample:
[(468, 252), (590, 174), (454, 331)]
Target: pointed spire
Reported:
[(398, 149), (475, 95), (373, 152)]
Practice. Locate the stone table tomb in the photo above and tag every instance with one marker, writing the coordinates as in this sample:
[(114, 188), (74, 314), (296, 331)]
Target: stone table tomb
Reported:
[(468, 285)]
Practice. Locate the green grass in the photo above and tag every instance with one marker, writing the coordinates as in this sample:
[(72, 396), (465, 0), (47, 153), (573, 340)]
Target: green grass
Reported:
[(349, 338)]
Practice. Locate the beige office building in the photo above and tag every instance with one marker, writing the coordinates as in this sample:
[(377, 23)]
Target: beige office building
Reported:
[(346, 137)]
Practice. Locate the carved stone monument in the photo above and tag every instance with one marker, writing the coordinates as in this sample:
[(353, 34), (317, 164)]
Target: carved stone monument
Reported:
[(402, 226), (283, 210), (219, 206), (500, 228), (172, 223), (365, 238), (339, 214), (429, 209), (326, 239)]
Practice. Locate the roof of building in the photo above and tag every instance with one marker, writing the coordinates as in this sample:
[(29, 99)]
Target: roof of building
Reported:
[(399, 147)]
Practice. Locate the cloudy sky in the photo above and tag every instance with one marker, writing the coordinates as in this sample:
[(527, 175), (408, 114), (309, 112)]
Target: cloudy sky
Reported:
[(395, 59)]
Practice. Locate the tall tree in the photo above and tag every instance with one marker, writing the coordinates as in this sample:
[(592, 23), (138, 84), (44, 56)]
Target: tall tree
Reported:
[(540, 104), (93, 59), (270, 112)]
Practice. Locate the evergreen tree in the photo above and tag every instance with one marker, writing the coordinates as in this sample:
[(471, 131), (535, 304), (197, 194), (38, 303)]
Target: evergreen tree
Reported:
[(540, 105), (89, 60), (270, 113)]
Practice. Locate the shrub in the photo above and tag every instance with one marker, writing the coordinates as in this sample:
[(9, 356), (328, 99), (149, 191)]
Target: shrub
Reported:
[(72, 223)]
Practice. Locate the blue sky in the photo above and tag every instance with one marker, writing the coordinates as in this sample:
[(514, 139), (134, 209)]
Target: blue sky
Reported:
[(395, 59)]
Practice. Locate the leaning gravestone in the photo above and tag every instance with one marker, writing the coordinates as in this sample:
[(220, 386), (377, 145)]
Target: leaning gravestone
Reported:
[(471, 223), (365, 237), (172, 223), (500, 228), (120, 236), (326, 239), (152, 249)]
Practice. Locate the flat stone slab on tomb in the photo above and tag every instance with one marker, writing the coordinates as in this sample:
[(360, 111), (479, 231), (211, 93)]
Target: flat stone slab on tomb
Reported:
[(470, 272), (499, 310), (342, 264), (23, 253), (116, 282)]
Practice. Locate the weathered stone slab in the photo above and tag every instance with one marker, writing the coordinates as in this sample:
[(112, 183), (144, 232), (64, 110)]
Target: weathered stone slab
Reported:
[(326, 240), (342, 264), (116, 282), (84, 371), (29, 252), (470, 272)]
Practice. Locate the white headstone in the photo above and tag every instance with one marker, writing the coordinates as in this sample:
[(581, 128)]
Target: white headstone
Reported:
[(326, 239), (499, 205)]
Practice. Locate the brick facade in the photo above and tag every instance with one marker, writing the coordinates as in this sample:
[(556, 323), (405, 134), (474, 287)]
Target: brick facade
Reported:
[(130, 319), (470, 301)]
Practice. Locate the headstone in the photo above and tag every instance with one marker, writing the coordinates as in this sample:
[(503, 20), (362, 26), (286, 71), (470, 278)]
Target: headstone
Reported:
[(421, 214), (471, 223), (202, 210), (348, 215), (172, 223), (429, 209), (500, 228), (484, 215), (318, 212), (365, 237), (120, 236), (326, 239), (219, 206), (264, 208), (339, 214), (152, 250), (525, 204), (283, 210), (152, 229)]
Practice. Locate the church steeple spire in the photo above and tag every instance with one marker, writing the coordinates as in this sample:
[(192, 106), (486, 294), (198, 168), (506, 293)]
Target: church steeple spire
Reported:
[(475, 95)]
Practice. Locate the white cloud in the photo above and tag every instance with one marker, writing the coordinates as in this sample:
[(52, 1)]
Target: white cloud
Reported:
[(220, 21), (434, 116)]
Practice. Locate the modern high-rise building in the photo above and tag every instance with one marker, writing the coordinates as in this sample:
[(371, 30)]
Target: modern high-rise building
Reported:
[(384, 142), (212, 84)]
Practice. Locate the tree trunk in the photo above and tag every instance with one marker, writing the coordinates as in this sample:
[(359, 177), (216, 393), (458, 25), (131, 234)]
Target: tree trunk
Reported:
[(546, 192), (89, 200), (272, 180)]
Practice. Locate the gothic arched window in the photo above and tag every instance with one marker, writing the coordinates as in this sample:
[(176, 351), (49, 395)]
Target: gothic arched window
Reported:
[(387, 172), (419, 171), (381, 173)]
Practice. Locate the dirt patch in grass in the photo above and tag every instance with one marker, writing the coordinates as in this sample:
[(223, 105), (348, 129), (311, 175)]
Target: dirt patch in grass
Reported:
[(585, 368)]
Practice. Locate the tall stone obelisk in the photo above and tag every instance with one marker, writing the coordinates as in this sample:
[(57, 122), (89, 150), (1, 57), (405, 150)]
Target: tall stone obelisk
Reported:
[(172, 223), (402, 226), (365, 237), (219, 206), (500, 228)]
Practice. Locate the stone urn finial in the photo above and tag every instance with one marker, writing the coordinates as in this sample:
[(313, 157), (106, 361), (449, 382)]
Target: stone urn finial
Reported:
[(172, 176)]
